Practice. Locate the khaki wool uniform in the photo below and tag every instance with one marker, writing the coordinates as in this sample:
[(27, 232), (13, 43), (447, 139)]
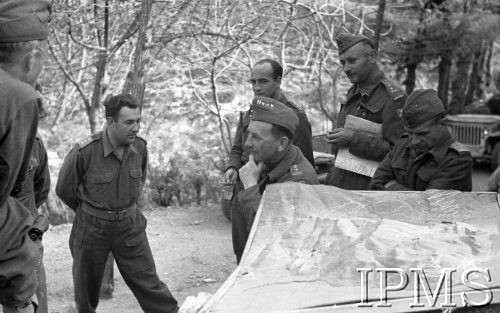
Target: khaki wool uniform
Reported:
[(239, 156), (19, 255), (380, 102), (448, 166), (103, 190)]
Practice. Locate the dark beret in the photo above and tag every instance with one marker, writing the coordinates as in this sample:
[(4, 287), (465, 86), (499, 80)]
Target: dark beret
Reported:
[(347, 40), (421, 106), (272, 111), (23, 20)]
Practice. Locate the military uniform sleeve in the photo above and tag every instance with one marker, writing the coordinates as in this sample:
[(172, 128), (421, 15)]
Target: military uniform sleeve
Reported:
[(303, 137), (494, 181), (69, 179), (383, 174), (41, 183), (235, 160), (454, 174), (249, 201), (144, 165), (372, 147), (18, 256)]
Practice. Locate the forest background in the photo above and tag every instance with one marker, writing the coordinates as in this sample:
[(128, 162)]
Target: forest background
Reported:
[(189, 61)]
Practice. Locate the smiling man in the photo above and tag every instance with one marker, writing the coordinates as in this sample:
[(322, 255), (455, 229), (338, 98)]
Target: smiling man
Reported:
[(426, 156), (101, 180), (371, 97), (273, 157)]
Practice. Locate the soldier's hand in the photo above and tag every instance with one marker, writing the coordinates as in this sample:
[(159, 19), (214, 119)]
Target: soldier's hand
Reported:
[(230, 175), (249, 173), (340, 136)]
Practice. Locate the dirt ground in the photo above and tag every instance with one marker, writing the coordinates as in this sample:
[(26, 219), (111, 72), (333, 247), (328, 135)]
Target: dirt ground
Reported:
[(191, 246)]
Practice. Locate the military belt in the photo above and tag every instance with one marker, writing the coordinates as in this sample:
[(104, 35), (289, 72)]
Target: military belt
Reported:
[(108, 215)]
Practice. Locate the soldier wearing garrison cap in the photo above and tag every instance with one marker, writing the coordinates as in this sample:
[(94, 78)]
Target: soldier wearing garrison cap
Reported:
[(23, 34), (273, 157), (265, 77), (371, 97), (426, 156)]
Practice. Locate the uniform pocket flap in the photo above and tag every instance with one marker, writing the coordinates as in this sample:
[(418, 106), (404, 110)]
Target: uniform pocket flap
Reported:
[(100, 178), (135, 173)]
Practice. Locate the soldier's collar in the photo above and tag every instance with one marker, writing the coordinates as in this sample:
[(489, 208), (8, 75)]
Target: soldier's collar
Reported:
[(277, 170)]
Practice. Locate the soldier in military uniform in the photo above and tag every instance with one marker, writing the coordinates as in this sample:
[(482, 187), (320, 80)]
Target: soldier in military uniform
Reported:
[(23, 44), (371, 97), (273, 157), (426, 156), (266, 78), (101, 180)]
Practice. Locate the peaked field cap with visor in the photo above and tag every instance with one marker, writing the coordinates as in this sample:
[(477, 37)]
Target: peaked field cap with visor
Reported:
[(347, 40), (420, 107), (272, 111), (23, 20)]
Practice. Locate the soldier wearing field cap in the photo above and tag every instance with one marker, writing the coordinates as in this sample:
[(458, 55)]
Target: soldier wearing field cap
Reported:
[(23, 34), (371, 97), (273, 157), (426, 156)]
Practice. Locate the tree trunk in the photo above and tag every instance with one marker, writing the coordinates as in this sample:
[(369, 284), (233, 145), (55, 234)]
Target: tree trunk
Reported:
[(474, 78), (135, 85), (411, 74), (459, 84), (98, 89), (444, 78), (379, 22)]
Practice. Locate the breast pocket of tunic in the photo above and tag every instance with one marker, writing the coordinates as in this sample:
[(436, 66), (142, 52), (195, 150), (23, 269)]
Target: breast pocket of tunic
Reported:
[(135, 182), (99, 184)]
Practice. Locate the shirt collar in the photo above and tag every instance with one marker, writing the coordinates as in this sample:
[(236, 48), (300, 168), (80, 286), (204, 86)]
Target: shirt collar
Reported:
[(108, 147)]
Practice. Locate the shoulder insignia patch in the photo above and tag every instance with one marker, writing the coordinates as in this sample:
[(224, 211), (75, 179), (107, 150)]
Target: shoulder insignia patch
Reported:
[(295, 171), (396, 93), (87, 141), (459, 147)]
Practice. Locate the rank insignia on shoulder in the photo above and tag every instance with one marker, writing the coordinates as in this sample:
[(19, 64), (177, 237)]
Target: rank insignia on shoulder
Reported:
[(87, 141), (296, 171)]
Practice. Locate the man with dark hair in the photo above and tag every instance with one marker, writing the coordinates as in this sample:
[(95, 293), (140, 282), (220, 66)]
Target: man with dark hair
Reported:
[(23, 34), (101, 180), (265, 78), (273, 157), (426, 156), (371, 97)]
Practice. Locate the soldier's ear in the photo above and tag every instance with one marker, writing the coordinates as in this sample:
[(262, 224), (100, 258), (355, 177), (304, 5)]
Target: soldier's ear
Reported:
[(373, 56), (109, 121), (283, 143)]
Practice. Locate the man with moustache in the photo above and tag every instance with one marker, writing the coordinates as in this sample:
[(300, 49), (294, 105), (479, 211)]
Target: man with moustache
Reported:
[(426, 156), (371, 97), (23, 51), (265, 78), (273, 156), (101, 180)]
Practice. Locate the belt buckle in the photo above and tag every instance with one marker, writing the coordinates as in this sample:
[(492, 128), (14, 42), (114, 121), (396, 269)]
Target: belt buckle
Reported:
[(117, 216)]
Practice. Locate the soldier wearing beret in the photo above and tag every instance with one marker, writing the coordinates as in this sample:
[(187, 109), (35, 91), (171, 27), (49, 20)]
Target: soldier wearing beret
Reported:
[(266, 78), (426, 156), (23, 34), (101, 179), (371, 97), (273, 156)]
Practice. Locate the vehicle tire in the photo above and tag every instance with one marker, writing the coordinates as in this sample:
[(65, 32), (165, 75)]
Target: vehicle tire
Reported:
[(226, 208), (495, 154)]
